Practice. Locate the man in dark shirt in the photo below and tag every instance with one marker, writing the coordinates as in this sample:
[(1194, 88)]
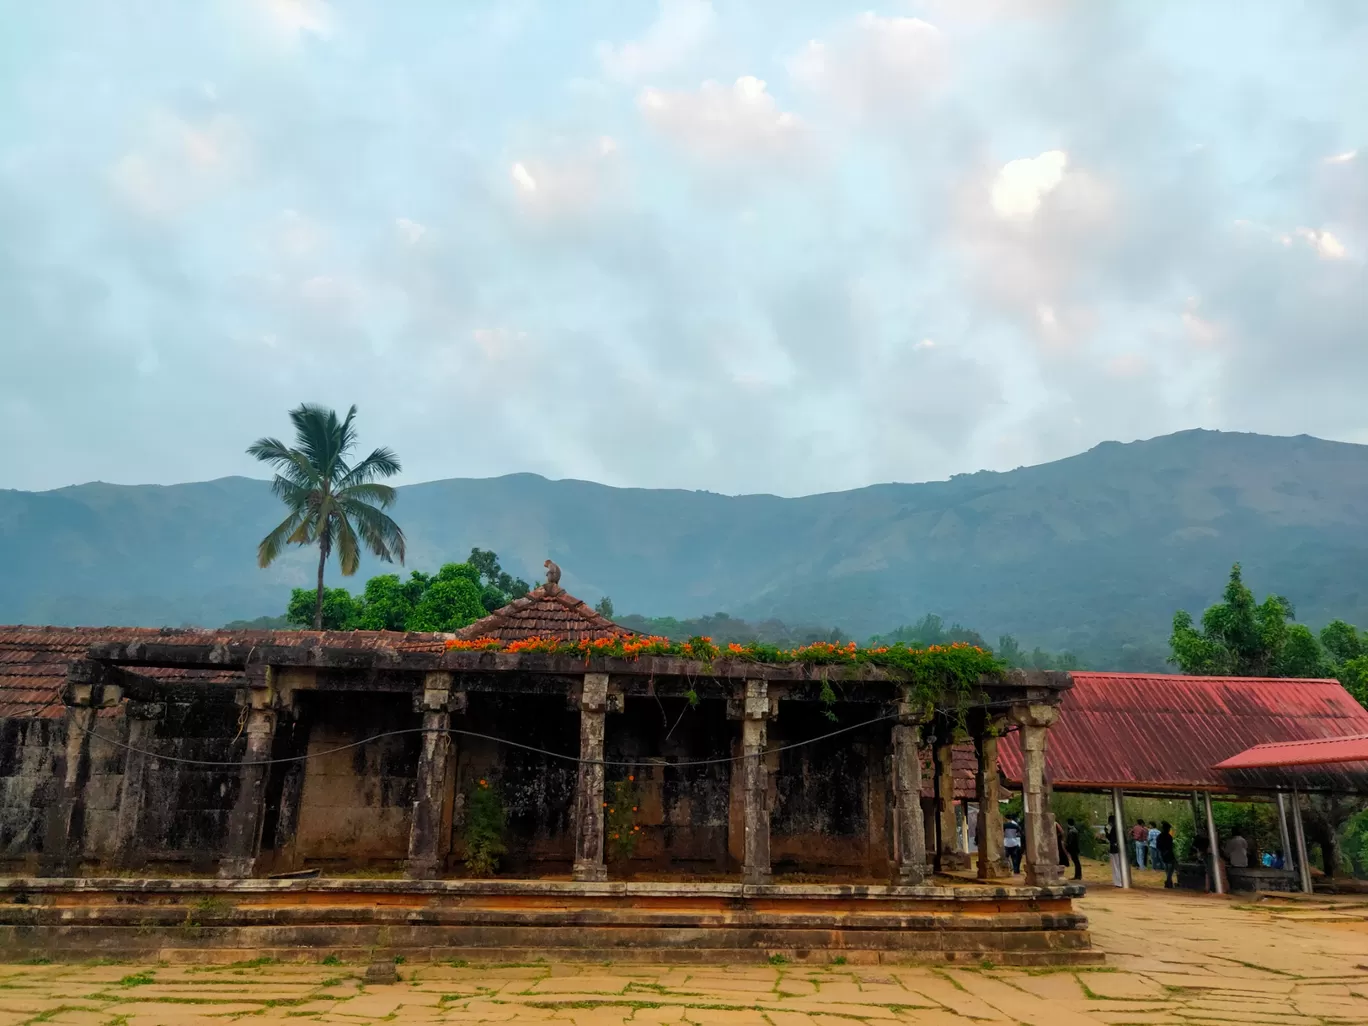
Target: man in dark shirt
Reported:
[(1163, 845), (1114, 850), (1073, 845)]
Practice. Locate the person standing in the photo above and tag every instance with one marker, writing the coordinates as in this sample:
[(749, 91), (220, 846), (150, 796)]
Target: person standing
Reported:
[(1073, 845), (1163, 846), (1114, 850), (1139, 835), (1237, 851), (1153, 843), (1011, 841)]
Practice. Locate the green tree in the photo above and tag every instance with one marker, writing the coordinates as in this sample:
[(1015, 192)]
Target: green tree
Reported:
[(604, 608), (331, 503), (929, 630), (341, 610), (451, 601), (1241, 638), (501, 587), (388, 602)]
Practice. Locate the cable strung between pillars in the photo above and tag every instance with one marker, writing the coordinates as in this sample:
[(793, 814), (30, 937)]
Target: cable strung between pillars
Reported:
[(654, 761)]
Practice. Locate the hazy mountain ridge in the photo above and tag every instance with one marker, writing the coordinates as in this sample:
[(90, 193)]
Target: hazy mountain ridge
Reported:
[(1092, 553)]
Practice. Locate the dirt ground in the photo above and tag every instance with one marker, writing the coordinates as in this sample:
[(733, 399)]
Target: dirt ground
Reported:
[(1172, 958)]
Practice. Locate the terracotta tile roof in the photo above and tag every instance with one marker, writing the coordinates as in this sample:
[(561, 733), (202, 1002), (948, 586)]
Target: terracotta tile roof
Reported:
[(34, 660), (547, 612), (1166, 732)]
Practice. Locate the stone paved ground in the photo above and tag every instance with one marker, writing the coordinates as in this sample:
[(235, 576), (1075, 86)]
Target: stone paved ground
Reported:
[(1172, 959)]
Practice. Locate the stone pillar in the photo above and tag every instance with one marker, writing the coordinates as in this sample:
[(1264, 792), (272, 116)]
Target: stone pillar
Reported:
[(589, 863), (142, 724), (1041, 852), (428, 842), (992, 857), (949, 855), (909, 828), (245, 819), (64, 830), (755, 861)]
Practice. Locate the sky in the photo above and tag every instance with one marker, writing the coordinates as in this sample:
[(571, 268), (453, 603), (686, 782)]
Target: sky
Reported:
[(777, 246)]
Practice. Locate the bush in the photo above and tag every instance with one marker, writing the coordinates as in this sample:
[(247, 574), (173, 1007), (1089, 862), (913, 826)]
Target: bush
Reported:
[(484, 829)]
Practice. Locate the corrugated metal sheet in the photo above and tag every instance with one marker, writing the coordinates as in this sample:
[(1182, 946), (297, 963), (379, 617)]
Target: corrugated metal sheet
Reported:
[(1167, 732), (1300, 753)]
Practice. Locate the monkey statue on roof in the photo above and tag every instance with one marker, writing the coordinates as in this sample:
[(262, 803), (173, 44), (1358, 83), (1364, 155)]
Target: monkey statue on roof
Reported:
[(552, 575)]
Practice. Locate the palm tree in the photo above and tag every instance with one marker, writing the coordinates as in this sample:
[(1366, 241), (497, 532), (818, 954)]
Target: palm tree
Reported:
[(332, 504)]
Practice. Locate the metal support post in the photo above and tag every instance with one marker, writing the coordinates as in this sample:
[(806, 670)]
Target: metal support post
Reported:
[(1303, 862), (1122, 838), (1216, 882), (1284, 834)]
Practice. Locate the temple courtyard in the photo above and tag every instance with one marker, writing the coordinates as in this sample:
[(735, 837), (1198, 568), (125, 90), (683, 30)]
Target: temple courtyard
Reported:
[(1171, 958)]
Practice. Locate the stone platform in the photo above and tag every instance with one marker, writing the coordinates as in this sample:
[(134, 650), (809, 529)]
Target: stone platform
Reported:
[(205, 920)]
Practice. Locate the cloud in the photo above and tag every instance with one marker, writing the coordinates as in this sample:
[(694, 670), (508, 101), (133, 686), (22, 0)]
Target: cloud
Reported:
[(178, 162), (874, 63), (411, 231), (732, 286), (291, 20), (1323, 242), (522, 178), (720, 124), (1021, 184), (568, 180), (680, 28)]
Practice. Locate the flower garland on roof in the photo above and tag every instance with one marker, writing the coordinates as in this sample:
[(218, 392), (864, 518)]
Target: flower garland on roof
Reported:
[(936, 668)]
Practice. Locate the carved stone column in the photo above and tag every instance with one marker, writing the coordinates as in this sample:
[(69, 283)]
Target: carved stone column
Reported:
[(428, 842), (949, 855), (245, 819), (909, 830), (1041, 852), (755, 862), (589, 863), (992, 860), (64, 829), (142, 727)]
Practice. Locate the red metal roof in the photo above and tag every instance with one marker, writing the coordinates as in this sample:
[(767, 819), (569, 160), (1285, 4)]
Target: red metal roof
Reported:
[(1300, 753), (1166, 732)]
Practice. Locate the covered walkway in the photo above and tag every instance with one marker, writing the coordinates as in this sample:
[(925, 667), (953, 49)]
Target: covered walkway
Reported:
[(1169, 735)]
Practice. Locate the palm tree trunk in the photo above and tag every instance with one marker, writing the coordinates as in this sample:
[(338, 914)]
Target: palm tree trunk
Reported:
[(318, 603)]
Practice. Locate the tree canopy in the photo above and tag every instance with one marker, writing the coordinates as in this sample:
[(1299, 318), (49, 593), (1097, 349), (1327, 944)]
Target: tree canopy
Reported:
[(1240, 637), (331, 503), (455, 596)]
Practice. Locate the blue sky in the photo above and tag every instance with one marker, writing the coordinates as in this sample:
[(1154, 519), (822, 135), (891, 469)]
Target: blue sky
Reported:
[(763, 246)]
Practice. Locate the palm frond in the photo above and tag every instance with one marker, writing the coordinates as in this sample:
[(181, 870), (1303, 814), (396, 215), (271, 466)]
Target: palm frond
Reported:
[(380, 463), (282, 460), (348, 550), (382, 535), (283, 534), (320, 437), (379, 495), (295, 495)]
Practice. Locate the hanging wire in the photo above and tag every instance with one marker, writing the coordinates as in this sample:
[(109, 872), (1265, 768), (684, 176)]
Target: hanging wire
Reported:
[(650, 761)]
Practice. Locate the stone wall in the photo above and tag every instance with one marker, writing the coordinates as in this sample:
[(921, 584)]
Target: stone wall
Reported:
[(356, 805), (30, 750), (353, 809), (830, 796)]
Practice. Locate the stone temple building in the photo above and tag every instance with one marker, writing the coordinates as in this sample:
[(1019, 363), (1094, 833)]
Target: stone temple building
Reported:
[(776, 807)]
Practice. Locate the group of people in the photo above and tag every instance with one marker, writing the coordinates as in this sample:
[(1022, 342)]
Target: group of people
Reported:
[(1152, 844), (1067, 841)]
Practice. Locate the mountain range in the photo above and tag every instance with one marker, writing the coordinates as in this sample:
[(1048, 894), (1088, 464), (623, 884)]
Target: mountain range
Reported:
[(1092, 553)]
